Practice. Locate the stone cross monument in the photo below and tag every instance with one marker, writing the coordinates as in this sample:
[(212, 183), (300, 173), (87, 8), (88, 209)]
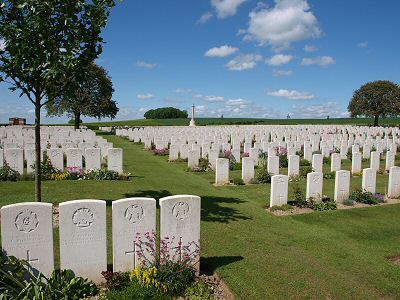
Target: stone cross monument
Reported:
[(192, 123)]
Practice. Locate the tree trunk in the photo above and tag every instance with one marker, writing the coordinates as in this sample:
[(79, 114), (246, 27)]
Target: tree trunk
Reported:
[(77, 120), (38, 171), (376, 121)]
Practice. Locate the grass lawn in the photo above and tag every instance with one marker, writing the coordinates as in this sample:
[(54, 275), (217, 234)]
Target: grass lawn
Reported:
[(248, 121), (323, 255)]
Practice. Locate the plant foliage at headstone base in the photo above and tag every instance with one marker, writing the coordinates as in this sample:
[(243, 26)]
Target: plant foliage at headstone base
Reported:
[(17, 283), (8, 174)]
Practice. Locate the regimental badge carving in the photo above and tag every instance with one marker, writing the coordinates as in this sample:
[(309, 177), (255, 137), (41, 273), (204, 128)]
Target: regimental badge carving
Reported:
[(83, 217), (26, 221), (134, 213), (181, 210), (315, 178)]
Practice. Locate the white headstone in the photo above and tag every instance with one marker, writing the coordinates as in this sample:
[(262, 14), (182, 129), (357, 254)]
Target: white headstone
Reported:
[(92, 159), (390, 158), (317, 165), (273, 165), (173, 152), (394, 183), (27, 233), (314, 185), (83, 242), (375, 160), (180, 225), (30, 157), (247, 169), (222, 171), (356, 163), (279, 190), (342, 185), (369, 180), (293, 165), (15, 159), (193, 159), (74, 158), (133, 224), (56, 156), (114, 159), (336, 162)]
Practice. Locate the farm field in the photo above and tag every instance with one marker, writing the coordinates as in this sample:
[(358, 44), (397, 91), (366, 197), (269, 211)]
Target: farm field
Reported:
[(322, 255), (244, 121)]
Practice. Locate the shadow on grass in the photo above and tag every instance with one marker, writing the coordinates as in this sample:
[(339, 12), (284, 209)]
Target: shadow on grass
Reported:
[(213, 211), (210, 264)]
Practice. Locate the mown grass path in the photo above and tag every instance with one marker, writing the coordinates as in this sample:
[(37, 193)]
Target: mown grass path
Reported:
[(323, 255)]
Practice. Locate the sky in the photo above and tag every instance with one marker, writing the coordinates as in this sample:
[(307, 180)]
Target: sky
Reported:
[(242, 58)]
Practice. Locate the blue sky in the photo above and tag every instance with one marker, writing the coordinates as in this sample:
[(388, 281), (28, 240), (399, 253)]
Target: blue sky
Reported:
[(243, 58)]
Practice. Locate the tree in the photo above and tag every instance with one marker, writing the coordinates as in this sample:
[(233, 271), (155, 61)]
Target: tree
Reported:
[(89, 95), (166, 113), (46, 43), (376, 99)]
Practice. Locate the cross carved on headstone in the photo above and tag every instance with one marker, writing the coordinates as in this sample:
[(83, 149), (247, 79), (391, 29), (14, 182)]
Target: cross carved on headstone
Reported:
[(134, 253), (30, 260)]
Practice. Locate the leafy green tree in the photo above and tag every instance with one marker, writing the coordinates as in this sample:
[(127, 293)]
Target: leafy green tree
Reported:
[(166, 113), (46, 43), (376, 99), (89, 95)]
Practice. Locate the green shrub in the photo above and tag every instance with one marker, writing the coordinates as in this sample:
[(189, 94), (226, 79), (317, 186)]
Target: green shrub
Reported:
[(326, 160), (348, 202), (204, 164), (299, 198), (234, 166), (321, 206), (137, 292), (8, 174), (304, 170), (304, 162), (361, 196), (263, 176), (238, 181), (101, 174), (47, 168), (17, 283), (115, 280), (329, 175), (283, 161), (200, 291)]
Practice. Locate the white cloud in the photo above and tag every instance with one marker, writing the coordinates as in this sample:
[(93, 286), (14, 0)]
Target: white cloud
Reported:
[(204, 18), (2, 44), (143, 64), (279, 59), (222, 51), (281, 73), (363, 45), (292, 95), (310, 48), (226, 8), (182, 91), (210, 98), (240, 103), (322, 110), (319, 60), (287, 22), (243, 62), (144, 96)]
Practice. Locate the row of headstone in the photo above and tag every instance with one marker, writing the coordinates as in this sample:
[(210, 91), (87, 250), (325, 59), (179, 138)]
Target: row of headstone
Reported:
[(279, 185), (27, 233), (15, 159)]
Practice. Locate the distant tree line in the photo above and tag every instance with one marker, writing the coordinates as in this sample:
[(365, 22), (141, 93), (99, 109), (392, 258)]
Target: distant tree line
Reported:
[(166, 113)]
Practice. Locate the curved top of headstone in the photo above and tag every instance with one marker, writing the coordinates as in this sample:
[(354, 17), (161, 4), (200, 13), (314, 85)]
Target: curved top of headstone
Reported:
[(24, 204), (94, 201)]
